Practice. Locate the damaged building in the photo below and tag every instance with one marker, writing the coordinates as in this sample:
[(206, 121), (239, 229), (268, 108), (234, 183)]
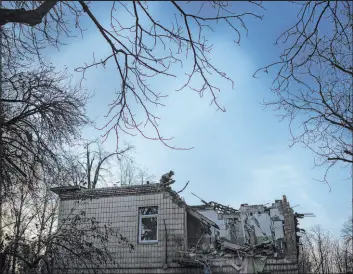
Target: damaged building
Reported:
[(170, 236)]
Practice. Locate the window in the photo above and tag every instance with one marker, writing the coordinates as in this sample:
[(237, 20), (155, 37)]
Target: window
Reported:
[(148, 224)]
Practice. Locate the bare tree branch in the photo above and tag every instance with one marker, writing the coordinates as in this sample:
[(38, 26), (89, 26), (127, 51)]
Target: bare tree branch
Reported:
[(140, 51), (29, 17), (314, 80), (42, 113)]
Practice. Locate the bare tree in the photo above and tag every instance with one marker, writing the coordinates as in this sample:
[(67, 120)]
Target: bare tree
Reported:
[(318, 253), (347, 236), (42, 112), (29, 26), (347, 230), (130, 173), (321, 252), (95, 167), (90, 165), (314, 79), (35, 240), (75, 169), (96, 163)]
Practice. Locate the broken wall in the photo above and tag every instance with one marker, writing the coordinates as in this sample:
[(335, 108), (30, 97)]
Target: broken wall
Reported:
[(254, 224), (265, 222), (289, 231), (234, 228), (217, 218)]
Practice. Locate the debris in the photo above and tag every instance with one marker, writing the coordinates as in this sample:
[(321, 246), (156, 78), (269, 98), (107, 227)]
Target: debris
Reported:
[(231, 246), (222, 209), (247, 254), (183, 187), (200, 199)]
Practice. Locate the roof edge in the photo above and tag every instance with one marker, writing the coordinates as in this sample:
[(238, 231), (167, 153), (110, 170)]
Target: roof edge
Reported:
[(61, 189)]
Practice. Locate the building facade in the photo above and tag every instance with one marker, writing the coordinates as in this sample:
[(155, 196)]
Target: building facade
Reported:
[(170, 236)]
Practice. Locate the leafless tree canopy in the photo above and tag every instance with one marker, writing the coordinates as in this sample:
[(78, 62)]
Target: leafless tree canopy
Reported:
[(321, 252), (35, 241), (347, 231), (41, 113), (130, 173), (29, 26), (92, 167), (314, 79)]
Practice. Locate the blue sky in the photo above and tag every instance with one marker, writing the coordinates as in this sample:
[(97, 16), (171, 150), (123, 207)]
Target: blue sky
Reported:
[(240, 156)]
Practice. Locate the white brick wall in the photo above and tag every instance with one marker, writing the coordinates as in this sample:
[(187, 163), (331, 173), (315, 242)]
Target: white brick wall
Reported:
[(122, 212)]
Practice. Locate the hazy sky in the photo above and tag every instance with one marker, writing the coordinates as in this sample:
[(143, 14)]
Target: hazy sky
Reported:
[(240, 156)]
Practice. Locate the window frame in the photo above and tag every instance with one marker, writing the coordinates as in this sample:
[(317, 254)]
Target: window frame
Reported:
[(140, 217)]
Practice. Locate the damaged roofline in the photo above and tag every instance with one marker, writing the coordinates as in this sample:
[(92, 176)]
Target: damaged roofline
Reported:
[(64, 190), (61, 189)]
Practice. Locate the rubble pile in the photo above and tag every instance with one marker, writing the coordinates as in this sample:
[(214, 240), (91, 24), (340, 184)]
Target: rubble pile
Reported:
[(227, 249), (226, 253), (266, 248)]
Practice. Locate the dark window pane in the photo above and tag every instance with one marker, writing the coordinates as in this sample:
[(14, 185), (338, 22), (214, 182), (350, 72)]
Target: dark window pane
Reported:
[(149, 210), (149, 229)]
